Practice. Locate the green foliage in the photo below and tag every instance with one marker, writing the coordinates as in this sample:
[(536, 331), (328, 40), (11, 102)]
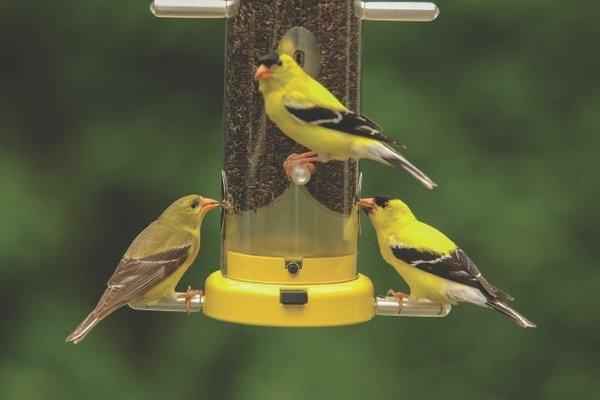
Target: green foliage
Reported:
[(107, 115)]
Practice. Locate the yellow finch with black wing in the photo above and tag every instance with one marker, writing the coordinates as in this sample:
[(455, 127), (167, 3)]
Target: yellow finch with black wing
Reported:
[(311, 115), (431, 264), (154, 263)]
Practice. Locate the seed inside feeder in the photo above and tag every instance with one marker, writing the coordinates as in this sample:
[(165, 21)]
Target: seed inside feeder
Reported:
[(254, 148)]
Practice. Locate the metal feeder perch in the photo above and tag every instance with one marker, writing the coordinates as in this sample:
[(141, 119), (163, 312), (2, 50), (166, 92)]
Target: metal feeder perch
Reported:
[(289, 248)]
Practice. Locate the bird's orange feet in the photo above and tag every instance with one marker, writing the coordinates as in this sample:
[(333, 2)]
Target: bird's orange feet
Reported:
[(189, 295), (442, 309), (293, 160), (397, 295)]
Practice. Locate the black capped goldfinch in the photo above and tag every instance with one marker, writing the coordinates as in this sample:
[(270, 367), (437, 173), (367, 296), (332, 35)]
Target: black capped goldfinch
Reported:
[(155, 261), (431, 264), (311, 115)]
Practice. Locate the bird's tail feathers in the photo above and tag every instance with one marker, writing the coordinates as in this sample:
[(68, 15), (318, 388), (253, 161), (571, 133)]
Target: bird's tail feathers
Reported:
[(386, 154), (502, 295), (102, 310), (510, 313), (84, 328)]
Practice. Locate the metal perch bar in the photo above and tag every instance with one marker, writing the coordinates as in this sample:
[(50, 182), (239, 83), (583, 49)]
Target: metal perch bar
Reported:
[(397, 11), (175, 305), (367, 10), (389, 306), (386, 306), (194, 8)]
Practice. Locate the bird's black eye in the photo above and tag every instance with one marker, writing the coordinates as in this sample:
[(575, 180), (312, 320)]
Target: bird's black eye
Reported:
[(195, 203), (382, 201)]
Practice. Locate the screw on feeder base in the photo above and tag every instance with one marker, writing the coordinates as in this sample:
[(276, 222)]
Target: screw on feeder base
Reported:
[(293, 267)]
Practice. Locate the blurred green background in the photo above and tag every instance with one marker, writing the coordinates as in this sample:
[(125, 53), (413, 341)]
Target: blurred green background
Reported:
[(108, 114)]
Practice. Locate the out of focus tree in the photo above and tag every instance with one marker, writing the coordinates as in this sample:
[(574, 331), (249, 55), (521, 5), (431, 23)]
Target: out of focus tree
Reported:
[(107, 114)]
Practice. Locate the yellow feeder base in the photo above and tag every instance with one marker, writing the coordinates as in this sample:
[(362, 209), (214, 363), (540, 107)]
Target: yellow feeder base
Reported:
[(253, 303)]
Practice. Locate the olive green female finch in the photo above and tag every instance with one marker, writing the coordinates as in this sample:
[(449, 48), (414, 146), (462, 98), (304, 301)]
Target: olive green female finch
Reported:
[(155, 261)]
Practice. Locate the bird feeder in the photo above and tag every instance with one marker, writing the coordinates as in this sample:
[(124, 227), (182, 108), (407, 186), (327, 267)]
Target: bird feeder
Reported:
[(289, 248)]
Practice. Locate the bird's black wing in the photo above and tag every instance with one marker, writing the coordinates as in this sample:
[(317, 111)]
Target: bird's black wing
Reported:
[(344, 121), (455, 266), (135, 276)]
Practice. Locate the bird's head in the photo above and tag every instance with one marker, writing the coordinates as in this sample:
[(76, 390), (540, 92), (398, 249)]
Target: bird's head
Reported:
[(274, 69), (188, 212), (386, 212)]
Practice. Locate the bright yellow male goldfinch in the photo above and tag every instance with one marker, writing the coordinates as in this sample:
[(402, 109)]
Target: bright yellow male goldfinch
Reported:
[(431, 264), (309, 114), (155, 261)]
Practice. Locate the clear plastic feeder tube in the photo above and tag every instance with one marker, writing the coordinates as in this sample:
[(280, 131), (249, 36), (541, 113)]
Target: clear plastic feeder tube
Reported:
[(269, 215), (295, 225)]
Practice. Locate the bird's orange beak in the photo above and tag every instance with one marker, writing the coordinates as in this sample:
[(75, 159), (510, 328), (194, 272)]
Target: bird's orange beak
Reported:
[(367, 205), (263, 73), (209, 204)]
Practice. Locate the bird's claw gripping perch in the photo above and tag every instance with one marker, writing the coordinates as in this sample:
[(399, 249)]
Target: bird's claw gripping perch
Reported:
[(306, 159), (399, 296), (188, 296), (442, 309)]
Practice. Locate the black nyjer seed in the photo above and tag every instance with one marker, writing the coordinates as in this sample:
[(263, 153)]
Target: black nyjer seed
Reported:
[(269, 60), (254, 148)]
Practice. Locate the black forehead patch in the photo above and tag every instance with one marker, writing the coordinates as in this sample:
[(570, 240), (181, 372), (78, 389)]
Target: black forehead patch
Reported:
[(382, 201), (268, 60)]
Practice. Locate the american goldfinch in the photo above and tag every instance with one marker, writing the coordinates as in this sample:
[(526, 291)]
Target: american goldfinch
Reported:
[(311, 115), (431, 264), (154, 263)]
